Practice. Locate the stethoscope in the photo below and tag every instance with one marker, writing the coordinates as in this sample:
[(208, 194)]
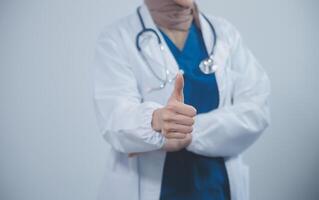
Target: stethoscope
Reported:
[(207, 66)]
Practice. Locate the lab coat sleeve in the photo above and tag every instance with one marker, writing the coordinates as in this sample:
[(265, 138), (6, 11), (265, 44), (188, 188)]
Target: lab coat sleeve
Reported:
[(229, 130), (123, 119)]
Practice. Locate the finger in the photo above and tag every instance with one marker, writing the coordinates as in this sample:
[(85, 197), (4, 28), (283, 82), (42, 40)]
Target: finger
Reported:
[(171, 116), (168, 115), (183, 119), (173, 127), (180, 128), (182, 108), (175, 135), (177, 93), (186, 141), (172, 145)]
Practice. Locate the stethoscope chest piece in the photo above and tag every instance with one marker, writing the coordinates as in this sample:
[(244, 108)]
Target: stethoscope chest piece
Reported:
[(208, 66)]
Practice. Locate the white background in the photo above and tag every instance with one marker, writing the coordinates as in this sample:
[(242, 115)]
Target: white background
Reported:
[(50, 148)]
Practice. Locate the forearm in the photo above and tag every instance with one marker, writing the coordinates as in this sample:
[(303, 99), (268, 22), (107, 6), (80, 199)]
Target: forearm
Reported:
[(127, 127), (230, 130)]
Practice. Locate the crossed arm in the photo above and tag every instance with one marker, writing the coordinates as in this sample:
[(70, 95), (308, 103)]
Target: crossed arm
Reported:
[(131, 126)]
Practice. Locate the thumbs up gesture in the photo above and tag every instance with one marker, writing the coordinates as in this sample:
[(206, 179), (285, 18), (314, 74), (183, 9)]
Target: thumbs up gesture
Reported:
[(175, 120)]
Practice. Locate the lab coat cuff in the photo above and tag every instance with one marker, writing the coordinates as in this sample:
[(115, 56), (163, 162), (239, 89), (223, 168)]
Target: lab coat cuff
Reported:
[(192, 146), (156, 138), (195, 146)]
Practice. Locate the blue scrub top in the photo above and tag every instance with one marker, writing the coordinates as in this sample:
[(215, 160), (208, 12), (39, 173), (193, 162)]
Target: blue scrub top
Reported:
[(188, 176)]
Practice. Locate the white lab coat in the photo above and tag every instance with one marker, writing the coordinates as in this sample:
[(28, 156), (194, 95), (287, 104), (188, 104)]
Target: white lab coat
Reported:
[(124, 108)]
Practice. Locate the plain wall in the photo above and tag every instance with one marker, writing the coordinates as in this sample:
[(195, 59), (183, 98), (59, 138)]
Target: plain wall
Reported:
[(50, 148)]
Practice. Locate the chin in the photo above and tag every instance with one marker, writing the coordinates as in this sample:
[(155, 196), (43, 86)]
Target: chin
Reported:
[(185, 3)]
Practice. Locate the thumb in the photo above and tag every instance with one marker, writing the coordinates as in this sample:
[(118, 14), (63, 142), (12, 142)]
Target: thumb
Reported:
[(178, 89)]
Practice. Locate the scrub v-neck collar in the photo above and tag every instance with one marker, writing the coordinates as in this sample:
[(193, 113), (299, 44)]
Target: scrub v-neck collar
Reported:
[(184, 51)]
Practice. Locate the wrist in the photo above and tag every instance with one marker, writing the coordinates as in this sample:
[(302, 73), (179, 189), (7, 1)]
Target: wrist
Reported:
[(155, 121)]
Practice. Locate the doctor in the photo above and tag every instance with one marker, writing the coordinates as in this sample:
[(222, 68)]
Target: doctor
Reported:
[(178, 98)]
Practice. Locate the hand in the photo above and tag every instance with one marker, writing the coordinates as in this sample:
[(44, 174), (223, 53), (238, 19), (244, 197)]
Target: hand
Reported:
[(177, 144), (175, 120)]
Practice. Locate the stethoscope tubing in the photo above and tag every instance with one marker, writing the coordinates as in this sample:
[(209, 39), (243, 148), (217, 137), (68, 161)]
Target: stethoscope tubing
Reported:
[(161, 46)]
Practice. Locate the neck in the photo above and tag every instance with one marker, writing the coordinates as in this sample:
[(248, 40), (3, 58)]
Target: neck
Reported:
[(170, 15)]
